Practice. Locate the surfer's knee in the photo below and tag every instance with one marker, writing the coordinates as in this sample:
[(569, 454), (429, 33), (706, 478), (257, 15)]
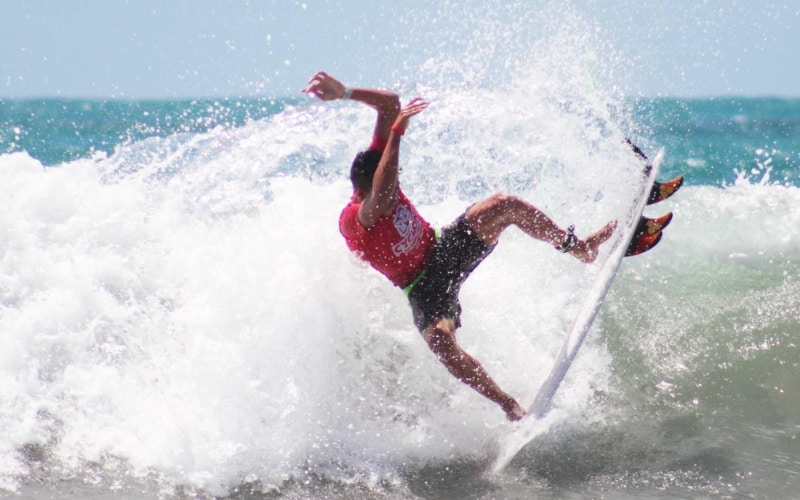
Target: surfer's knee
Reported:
[(503, 203), (491, 216), (441, 337), (507, 209)]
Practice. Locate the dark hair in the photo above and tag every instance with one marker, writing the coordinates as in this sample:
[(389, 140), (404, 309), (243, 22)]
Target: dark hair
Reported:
[(364, 166)]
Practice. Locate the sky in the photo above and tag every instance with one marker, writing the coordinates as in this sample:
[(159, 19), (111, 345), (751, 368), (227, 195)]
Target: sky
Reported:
[(243, 48)]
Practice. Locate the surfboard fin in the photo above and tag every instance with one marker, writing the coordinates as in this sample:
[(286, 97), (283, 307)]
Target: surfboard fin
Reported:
[(647, 234), (643, 243), (663, 190), (652, 226)]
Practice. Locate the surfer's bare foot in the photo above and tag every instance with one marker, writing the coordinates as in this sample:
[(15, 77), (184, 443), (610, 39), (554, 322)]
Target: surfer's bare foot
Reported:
[(514, 411), (586, 250)]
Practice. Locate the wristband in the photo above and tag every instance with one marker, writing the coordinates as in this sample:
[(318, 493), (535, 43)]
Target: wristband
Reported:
[(348, 91), (397, 129)]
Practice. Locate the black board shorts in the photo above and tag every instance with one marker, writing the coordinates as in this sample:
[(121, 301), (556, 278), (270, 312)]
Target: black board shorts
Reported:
[(456, 254)]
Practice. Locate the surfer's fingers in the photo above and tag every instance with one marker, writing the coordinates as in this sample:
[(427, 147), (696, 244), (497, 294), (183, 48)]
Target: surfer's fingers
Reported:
[(416, 106), (315, 82), (318, 76), (311, 87)]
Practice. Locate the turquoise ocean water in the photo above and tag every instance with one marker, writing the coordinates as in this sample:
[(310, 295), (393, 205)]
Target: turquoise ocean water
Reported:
[(179, 316)]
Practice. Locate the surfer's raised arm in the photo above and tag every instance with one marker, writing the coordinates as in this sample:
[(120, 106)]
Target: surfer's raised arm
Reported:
[(380, 197), (383, 195), (386, 103)]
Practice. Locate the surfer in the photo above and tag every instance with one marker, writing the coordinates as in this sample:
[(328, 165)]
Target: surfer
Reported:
[(384, 228)]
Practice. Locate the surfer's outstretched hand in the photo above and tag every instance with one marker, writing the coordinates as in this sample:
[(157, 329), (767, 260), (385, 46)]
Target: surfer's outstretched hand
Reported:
[(324, 86), (586, 250)]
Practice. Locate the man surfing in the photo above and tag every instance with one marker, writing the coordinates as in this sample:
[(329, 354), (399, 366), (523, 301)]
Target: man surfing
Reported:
[(384, 228)]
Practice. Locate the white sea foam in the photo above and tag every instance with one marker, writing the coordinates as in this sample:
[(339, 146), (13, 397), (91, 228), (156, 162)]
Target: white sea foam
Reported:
[(188, 306)]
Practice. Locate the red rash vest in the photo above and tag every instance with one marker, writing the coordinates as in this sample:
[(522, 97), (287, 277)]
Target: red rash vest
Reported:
[(398, 245)]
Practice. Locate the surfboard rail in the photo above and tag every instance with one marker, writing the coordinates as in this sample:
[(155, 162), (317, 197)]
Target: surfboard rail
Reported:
[(591, 305)]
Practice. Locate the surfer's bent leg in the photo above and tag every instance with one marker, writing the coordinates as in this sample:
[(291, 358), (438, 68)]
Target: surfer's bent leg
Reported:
[(490, 217), (441, 338)]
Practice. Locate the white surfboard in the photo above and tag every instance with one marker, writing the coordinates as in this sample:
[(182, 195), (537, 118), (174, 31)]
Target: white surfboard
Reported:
[(591, 306)]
